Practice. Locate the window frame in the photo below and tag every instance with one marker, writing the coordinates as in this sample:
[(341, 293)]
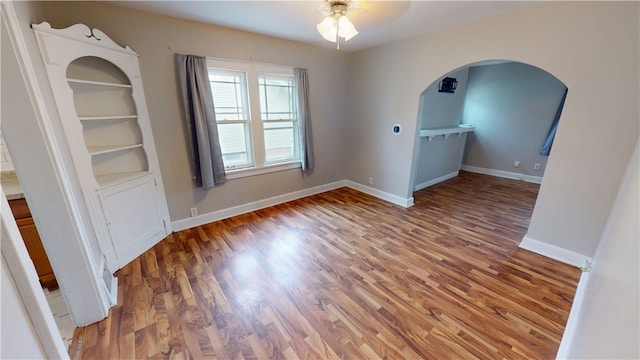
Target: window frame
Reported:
[(256, 133), (294, 119), (245, 122)]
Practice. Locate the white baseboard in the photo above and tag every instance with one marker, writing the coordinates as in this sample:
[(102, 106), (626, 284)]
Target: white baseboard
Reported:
[(503, 174), (113, 294), (553, 252), (426, 184), (188, 223), (253, 206), (404, 202), (577, 308)]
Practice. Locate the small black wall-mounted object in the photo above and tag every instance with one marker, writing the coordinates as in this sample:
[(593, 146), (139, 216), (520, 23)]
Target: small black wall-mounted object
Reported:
[(448, 85)]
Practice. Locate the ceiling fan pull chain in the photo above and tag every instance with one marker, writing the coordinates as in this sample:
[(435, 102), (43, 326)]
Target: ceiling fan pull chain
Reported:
[(338, 33)]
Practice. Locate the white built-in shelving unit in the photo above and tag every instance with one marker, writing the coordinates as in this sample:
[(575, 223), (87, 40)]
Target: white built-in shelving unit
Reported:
[(103, 101), (100, 99)]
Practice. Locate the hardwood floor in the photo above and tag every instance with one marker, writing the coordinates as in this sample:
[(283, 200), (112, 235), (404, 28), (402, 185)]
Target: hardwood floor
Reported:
[(345, 275)]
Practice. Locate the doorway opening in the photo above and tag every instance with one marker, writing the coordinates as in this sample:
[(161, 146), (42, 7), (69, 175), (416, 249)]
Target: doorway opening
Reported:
[(27, 227), (499, 119)]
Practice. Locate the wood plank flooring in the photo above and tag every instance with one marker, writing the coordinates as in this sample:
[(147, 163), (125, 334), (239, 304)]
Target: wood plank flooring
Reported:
[(345, 275)]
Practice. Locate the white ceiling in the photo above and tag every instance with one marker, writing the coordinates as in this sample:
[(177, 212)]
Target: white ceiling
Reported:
[(379, 22)]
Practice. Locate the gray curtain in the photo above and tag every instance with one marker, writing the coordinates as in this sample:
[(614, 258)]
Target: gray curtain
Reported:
[(548, 141), (304, 119), (201, 120)]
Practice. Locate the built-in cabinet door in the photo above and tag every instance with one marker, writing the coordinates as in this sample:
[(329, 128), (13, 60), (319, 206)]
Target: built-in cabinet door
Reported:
[(134, 217)]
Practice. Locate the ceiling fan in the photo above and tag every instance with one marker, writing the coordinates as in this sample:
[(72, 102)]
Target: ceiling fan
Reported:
[(337, 25)]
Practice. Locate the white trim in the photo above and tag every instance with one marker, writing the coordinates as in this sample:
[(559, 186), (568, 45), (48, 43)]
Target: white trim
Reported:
[(23, 272), (574, 317), (113, 293), (253, 206), (188, 223), (431, 182), (553, 252), (503, 174), (82, 33), (252, 171), (404, 202)]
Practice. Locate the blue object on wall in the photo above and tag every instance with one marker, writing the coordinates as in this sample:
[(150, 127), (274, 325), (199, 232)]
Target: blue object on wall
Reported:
[(546, 148)]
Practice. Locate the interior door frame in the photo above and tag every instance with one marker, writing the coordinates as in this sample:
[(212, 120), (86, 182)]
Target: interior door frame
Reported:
[(23, 272), (91, 302)]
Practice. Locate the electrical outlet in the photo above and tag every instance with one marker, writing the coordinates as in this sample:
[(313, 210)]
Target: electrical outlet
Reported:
[(370, 181), (194, 212), (536, 166)]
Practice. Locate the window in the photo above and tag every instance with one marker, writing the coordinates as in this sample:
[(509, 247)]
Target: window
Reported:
[(255, 107), (279, 115), (232, 116)]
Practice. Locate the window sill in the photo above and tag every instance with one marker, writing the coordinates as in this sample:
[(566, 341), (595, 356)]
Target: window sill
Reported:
[(240, 173)]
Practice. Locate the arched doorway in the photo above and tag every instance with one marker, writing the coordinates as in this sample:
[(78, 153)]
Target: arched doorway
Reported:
[(498, 119)]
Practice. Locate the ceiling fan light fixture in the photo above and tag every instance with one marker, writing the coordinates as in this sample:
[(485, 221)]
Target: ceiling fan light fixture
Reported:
[(347, 30), (337, 25), (328, 28)]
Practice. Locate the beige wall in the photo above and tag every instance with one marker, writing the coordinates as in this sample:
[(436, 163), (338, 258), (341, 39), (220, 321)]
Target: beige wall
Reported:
[(607, 316), (590, 46), (157, 38)]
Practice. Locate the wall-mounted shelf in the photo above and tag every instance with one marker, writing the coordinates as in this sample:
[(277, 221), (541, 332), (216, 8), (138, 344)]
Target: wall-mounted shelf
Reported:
[(99, 118), (98, 83), (446, 132), (97, 150)]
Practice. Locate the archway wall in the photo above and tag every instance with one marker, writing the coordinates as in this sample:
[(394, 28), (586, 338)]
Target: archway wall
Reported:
[(592, 47)]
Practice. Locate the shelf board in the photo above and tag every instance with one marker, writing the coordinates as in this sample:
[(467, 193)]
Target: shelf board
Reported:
[(110, 179), (107, 117), (98, 83), (429, 133), (98, 150)]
